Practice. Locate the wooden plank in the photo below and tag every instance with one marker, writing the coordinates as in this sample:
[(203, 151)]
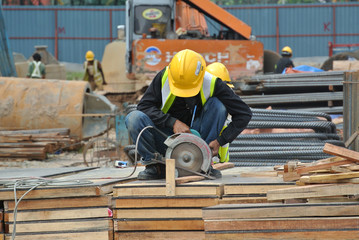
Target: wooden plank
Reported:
[(55, 214), (88, 235), (159, 189), (311, 191), (170, 177), (146, 202), (76, 225), (157, 213), (159, 225), (254, 188), (335, 234), (94, 189), (186, 179), (161, 235), (222, 166), (283, 224), (322, 178), (341, 152), (302, 170), (278, 210), (51, 203)]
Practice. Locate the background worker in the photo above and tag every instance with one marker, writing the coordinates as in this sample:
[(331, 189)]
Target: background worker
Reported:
[(93, 72), (36, 67), (219, 70), (284, 61), (181, 97)]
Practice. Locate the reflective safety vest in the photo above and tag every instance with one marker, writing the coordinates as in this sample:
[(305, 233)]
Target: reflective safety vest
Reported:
[(168, 98), (206, 92), (36, 73), (93, 71)]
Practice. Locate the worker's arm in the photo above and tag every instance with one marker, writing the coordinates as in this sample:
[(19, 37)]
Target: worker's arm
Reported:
[(239, 110), (151, 103)]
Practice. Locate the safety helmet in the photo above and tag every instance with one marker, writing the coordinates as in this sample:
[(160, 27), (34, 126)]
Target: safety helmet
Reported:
[(286, 51), (185, 73), (90, 56), (219, 70)]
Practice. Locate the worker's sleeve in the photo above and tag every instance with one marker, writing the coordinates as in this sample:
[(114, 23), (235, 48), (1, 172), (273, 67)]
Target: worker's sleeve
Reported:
[(239, 110), (151, 103)]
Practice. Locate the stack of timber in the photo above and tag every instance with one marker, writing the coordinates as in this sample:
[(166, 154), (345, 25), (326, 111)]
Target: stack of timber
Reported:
[(252, 186), (322, 205), (302, 221), (143, 210), (33, 144), (2, 231), (318, 91), (147, 210), (67, 204)]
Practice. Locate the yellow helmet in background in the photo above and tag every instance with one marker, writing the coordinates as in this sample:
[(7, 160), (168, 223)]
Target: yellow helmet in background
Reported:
[(90, 56), (185, 73), (287, 51), (219, 70)]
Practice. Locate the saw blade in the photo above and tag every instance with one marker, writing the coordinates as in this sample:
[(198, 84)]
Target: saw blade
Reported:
[(189, 156), (190, 152)]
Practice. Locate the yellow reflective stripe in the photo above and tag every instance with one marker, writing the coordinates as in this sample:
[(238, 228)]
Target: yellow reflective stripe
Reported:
[(171, 98), (164, 77), (213, 84)]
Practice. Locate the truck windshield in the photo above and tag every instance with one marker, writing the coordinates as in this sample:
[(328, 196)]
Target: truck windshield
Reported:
[(152, 18)]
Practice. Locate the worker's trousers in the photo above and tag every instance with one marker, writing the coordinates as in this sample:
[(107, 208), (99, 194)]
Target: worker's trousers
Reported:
[(208, 123)]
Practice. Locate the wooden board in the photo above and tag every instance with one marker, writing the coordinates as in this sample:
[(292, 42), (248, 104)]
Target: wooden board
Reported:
[(161, 235), (8, 174), (341, 152), (311, 191), (159, 225), (336, 234), (63, 226), (283, 224), (52, 203), (157, 213), (158, 188), (88, 235), (254, 188), (278, 210), (55, 214), (147, 202)]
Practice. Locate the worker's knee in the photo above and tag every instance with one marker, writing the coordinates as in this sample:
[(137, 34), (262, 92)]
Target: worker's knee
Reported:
[(136, 120), (213, 104)]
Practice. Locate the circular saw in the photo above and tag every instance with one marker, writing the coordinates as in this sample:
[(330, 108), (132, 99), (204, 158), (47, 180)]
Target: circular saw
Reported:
[(191, 153)]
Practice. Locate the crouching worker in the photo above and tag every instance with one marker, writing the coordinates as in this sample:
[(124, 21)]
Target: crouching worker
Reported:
[(181, 97)]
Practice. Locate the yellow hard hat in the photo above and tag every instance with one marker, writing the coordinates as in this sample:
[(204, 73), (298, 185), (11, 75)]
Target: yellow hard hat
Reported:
[(185, 74), (286, 51), (219, 70), (90, 56)]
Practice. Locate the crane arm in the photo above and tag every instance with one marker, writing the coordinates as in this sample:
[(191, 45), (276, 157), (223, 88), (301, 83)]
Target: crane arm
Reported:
[(212, 10)]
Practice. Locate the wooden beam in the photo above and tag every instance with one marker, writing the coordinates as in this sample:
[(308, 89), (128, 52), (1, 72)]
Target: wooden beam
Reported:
[(341, 152), (170, 177)]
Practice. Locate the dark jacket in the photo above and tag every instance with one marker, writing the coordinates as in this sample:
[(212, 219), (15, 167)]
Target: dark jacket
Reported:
[(182, 108), (283, 63)]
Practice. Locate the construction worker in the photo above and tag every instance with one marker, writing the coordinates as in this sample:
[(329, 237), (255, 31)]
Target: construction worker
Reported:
[(36, 67), (219, 70), (93, 72), (285, 61), (181, 97)]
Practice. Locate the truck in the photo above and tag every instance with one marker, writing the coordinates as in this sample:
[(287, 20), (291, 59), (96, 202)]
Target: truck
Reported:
[(156, 30)]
